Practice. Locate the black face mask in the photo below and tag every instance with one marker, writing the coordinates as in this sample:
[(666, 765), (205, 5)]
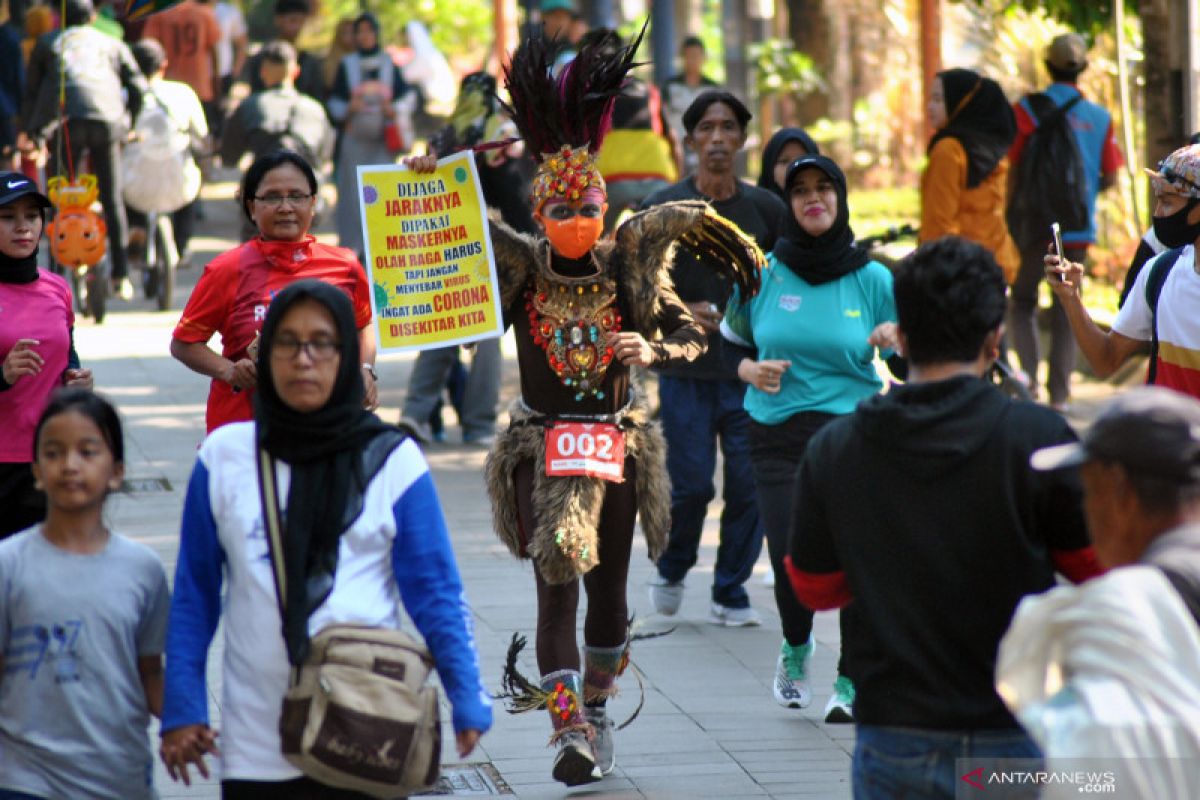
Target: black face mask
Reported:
[(1174, 231)]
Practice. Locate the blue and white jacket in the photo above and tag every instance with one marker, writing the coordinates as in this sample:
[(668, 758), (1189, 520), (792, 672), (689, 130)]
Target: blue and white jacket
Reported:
[(397, 551)]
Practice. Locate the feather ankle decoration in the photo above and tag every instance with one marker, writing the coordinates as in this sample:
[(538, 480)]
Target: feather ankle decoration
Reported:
[(521, 693)]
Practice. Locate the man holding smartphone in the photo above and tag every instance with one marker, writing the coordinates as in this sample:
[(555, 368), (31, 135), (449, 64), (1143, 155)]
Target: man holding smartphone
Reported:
[(1161, 308)]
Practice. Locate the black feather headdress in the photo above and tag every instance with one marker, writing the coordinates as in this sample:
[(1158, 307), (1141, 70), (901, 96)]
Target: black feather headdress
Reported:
[(565, 117)]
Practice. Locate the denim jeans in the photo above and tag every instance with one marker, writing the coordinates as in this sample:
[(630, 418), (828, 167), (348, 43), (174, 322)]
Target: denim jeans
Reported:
[(695, 414), (892, 763)]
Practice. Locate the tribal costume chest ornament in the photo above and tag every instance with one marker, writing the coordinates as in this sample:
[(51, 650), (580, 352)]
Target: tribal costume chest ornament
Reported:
[(571, 321)]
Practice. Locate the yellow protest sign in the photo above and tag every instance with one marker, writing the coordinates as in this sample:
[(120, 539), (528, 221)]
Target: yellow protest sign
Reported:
[(433, 275)]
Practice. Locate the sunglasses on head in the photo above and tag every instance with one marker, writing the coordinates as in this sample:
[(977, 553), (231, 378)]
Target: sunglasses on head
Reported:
[(1171, 176)]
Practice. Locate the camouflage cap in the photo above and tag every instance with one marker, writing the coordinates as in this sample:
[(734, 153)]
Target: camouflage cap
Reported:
[(1180, 171)]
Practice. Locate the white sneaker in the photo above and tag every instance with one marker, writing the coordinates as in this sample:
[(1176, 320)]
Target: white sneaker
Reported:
[(575, 765), (665, 596), (792, 688), (602, 744), (733, 617), (840, 707)]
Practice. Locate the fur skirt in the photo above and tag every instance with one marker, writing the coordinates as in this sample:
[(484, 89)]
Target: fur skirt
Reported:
[(565, 539)]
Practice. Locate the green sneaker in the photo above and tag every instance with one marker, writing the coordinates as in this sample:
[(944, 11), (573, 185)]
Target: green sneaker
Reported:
[(840, 708), (792, 688)]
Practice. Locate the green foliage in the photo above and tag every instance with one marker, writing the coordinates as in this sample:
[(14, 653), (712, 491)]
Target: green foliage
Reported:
[(1086, 17), (714, 40), (460, 28), (781, 69), (873, 211)]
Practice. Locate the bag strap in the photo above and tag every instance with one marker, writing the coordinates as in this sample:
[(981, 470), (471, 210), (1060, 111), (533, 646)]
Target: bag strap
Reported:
[(1155, 282), (1184, 588), (1057, 114), (167, 110), (268, 491)]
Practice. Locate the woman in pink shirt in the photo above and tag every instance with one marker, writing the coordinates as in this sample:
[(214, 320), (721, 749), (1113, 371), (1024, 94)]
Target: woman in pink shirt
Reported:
[(36, 347)]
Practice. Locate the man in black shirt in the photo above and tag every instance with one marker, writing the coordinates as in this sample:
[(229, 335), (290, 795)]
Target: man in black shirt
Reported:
[(921, 508), (702, 401)]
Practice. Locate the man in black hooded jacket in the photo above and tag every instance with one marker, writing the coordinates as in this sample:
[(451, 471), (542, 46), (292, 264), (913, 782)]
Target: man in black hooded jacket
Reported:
[(921, 509)]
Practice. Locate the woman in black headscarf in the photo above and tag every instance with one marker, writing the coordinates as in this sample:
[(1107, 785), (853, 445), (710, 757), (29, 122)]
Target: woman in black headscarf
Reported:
[(365, 102), (781, 150), (964, 191), (363, 533), (806, 346)]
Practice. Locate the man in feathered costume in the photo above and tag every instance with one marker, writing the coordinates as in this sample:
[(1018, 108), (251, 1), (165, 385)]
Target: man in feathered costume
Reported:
[(585, 312)]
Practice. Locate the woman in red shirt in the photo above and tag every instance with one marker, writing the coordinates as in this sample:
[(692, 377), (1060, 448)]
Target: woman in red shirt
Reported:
[(278, 195)]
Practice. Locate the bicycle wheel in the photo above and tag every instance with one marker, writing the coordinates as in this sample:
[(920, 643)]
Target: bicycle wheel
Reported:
[(78, 288), (164, 263), (96, 282)]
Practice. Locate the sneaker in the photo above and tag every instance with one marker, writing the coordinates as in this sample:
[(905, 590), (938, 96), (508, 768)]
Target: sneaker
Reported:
[(792, 689), (575, 765), (122, 288), (733, 617), (666, 596), (840, 708), (602, 745)]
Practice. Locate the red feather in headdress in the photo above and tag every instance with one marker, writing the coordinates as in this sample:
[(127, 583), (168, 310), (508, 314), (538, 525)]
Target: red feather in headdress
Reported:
[(575, 108)]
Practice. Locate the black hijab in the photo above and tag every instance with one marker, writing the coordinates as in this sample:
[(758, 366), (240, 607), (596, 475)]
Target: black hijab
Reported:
[(373, 21), (980, 117), (323, 449), (766, 177), (824, 258), (18, 270)]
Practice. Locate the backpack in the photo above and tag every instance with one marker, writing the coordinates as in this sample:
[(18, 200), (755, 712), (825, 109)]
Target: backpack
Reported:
[(1155, 282), (1051, 183), (157, 169)]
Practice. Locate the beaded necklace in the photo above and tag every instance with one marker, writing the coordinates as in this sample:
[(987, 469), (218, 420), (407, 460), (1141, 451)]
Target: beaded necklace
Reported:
[(570, 319)]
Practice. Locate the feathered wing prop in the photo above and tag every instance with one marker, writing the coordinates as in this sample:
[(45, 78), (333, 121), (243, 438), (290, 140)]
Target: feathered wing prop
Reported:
[(646, 244)]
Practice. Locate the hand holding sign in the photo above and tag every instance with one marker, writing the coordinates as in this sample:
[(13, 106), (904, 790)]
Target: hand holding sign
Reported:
[(428, 253)]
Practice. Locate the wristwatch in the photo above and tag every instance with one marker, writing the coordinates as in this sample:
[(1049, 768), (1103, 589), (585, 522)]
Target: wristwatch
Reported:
[(370, 368)]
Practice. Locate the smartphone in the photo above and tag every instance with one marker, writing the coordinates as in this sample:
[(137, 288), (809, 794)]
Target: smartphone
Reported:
[(1056, 230)]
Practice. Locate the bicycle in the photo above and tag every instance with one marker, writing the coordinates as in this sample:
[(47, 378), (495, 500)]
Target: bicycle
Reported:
[(161, 261)]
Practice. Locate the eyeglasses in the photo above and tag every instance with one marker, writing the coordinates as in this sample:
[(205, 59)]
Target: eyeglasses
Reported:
[(276, 200), (287, 348)]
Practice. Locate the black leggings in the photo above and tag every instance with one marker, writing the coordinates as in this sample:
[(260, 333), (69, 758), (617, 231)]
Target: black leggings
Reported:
[(298, 789), (607, 619), (775, 453)]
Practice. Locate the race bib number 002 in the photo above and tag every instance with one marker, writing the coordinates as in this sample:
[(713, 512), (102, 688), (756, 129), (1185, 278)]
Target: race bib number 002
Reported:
[(586, 448)]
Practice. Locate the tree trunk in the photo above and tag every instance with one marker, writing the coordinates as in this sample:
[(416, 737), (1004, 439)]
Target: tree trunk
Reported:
[(1164, 32), (810, 30)]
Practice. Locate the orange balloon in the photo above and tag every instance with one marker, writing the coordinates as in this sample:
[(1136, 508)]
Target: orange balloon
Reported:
[(77, 237)]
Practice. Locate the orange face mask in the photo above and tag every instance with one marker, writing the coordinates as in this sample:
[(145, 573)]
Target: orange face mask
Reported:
[(573, 237)]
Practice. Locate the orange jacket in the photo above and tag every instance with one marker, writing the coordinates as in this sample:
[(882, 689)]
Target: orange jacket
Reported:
[(949, 207)]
